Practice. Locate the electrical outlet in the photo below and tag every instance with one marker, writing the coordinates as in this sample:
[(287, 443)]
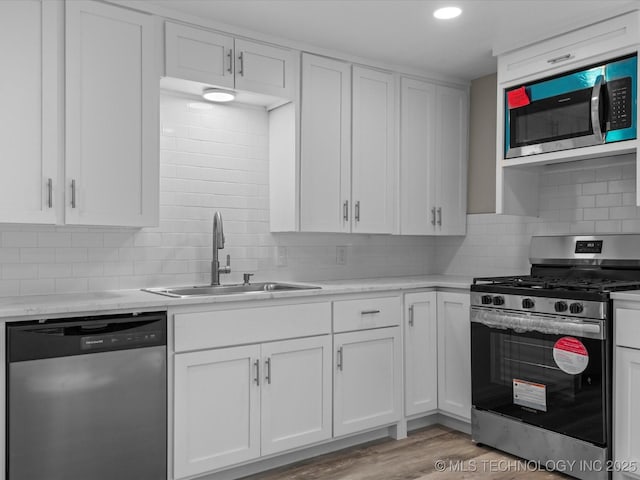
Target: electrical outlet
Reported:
[(341, 255), (282, 257)]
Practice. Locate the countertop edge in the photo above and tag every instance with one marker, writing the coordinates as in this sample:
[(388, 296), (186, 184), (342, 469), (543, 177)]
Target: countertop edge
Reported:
[(28, 307)]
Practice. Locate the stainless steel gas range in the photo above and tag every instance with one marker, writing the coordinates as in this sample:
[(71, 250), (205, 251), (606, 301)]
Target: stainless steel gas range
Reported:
[(541, 352)]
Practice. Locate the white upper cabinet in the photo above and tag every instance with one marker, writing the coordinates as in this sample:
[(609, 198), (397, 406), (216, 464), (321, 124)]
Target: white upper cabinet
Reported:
[(220, 60), (198, 55), (433, 159), (112, 138), (325, 163), (451, 161), (373, 163), (347, 165), (565, 51), (29, 149)]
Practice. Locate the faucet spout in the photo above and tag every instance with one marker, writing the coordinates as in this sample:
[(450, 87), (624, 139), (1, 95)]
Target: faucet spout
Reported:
[(218, 244)]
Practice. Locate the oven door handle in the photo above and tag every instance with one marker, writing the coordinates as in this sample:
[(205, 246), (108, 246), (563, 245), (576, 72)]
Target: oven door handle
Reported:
[(595, 109), (537, 323)]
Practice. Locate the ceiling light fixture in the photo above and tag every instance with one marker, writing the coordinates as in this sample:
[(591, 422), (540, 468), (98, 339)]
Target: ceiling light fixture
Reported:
[(218, 95), (447, 13)]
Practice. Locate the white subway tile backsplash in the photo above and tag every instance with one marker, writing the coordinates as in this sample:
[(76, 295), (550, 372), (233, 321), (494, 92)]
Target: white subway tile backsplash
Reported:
[(594, 188), (20, 239)]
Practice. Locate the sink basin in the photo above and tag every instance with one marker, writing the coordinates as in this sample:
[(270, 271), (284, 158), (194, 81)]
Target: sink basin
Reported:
[(213, 290)]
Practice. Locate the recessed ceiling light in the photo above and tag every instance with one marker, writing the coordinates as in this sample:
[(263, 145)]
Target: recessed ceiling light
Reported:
[(218, 95), (446, 13)]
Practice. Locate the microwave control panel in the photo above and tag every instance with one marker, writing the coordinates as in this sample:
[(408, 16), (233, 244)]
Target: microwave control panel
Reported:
[(620, 109)]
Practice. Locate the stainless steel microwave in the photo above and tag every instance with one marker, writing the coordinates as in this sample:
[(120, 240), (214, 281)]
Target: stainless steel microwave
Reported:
[(589, 106)]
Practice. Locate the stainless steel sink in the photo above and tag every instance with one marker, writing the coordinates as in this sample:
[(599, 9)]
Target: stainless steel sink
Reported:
[(214, 290)]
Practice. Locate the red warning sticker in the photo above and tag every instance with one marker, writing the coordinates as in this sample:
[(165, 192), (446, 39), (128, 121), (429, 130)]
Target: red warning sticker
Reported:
[(518, 98), (570, 355)]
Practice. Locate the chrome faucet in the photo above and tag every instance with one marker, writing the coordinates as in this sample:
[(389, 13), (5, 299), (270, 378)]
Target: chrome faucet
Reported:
[(218, 244)]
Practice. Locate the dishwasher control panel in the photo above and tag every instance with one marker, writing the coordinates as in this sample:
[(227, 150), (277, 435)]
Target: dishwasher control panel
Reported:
[(120, 340)]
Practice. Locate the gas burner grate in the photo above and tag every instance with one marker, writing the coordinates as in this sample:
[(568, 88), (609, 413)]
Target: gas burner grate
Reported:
[(584, 284)]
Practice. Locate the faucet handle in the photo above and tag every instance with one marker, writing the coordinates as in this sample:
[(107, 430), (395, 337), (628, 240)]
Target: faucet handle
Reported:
[(228, 261), (247, 277)]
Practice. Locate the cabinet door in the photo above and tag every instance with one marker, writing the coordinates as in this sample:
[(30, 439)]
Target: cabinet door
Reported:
[(451, 161), (454, 354), (627, 416), (420, 353), (373, 151), (216, 409), (417, 153), (264, 69), (367, 381), (296, 393), (29, 113), (112, 131), (198, 55), (325, 163)]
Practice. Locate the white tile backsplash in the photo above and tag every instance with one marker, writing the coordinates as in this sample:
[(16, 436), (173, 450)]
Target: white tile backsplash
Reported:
[(209, 160), (585, 197)]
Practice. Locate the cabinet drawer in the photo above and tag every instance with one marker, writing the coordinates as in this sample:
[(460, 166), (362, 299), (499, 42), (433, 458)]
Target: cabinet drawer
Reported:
[(627, 327), (220, 328), (572, 48), (360, 314)]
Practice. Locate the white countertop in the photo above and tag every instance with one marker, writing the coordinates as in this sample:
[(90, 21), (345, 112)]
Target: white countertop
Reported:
[(136, 300), (633, 295)]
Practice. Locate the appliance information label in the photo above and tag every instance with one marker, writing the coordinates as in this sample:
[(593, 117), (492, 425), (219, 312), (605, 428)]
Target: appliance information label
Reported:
[(570, 355), (529, 394)]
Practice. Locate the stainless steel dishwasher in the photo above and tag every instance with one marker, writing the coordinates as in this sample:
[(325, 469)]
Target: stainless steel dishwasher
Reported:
[(87, 398)]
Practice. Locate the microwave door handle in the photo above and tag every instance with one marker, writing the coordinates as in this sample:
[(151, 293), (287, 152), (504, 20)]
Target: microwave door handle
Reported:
[(595, 109)]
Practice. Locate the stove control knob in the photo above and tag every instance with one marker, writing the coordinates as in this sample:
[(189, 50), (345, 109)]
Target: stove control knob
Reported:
[(486, 299), (560, 306), (528, 303), (498, 300), (576, 308)]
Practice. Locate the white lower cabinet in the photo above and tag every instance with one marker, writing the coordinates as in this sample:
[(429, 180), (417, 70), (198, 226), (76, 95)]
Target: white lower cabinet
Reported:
[(454, 354), (296, 393), (626, 393), (367, 381), (420, 353), (236, 404), (627, 416), (217, 409)]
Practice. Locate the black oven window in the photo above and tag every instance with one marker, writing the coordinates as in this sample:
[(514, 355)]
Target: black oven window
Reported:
[(565, 403)]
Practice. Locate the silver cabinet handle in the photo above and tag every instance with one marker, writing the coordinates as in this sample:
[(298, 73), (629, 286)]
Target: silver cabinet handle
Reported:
[(357, 213), (267, 371), (241, 69), (440, 216), (73, 194), (411, 315), (345, 210), (561, 58), (339, 358), (433, 216), (369, 312), (257, 377), (50, 193), (230, 55)]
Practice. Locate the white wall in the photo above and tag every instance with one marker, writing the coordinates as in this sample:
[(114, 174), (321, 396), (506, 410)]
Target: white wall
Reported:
[(214, 160), (575, 198)]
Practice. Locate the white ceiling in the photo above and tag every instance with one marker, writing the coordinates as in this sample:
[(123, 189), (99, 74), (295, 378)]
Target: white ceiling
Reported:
[(404, 32)]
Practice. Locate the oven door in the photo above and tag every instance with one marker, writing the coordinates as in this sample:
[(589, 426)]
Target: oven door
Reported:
[(543, 370)]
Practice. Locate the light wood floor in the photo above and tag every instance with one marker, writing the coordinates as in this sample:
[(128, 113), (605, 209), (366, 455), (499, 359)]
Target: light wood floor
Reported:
[(415, 457)]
